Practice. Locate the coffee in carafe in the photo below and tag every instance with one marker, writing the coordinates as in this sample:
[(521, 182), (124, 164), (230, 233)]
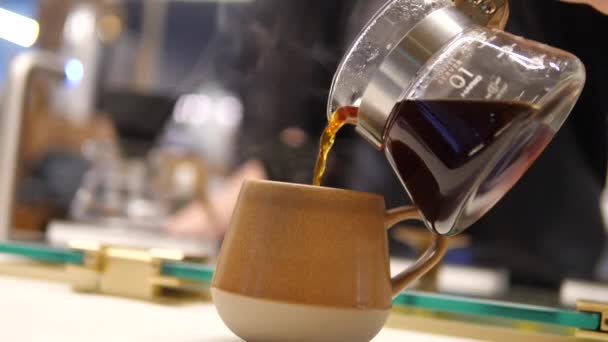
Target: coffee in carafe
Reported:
[(448, 176), (456, 158)]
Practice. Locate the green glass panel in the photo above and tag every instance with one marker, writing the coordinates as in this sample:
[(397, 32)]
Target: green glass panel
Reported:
[(187, 271), (437, 303), (443, 303), (487, 308), (42, 252)]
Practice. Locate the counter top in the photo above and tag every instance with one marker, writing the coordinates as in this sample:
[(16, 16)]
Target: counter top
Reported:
[(35, 310)]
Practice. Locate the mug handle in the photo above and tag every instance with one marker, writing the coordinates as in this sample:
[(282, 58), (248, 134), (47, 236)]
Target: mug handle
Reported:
[(431, 257)]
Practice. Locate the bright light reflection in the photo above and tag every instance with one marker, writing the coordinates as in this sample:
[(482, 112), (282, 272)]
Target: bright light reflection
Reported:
[(74, 71), (80, 25), (229, 111), (18, 29)]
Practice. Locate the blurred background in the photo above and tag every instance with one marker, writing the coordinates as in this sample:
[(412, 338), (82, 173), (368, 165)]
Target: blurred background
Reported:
[(134, 122)]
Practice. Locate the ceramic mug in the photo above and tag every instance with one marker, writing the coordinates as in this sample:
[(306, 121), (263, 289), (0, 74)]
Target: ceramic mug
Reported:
[(306, 263)]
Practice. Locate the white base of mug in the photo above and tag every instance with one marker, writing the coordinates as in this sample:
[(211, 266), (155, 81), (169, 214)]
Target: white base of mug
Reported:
[(254, 319)]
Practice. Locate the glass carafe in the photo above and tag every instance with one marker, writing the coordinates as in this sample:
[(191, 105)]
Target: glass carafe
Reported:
[(460, 109)]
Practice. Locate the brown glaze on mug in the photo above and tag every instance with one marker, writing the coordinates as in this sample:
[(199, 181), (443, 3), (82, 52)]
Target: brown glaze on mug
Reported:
[(315, 246)]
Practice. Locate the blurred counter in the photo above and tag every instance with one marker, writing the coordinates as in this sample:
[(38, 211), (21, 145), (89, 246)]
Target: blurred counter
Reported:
[(36, 310), (60, 234), (38, 304)]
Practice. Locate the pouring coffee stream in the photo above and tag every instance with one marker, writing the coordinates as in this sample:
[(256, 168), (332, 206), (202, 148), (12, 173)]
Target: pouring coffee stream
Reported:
[(339, 118)]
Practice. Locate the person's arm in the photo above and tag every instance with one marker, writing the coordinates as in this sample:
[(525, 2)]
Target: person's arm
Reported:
[(600, 5), (210, 220)]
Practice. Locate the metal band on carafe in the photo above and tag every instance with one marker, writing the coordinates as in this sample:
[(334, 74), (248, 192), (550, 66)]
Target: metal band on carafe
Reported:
[(400, 67)]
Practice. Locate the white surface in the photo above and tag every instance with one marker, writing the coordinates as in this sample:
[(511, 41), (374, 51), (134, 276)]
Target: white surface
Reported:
[(284, 321), (61, 233), (464, 280), (574, 290), (40, 311)]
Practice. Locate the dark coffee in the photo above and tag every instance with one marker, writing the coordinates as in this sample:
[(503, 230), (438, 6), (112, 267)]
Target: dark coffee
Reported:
[(457, 158)]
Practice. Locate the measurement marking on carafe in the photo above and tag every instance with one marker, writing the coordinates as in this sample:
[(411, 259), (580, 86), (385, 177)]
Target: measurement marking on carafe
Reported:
[(534, 99), (485, 42), (494, 88), (472, 85), (507, 49), (521, 95)]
